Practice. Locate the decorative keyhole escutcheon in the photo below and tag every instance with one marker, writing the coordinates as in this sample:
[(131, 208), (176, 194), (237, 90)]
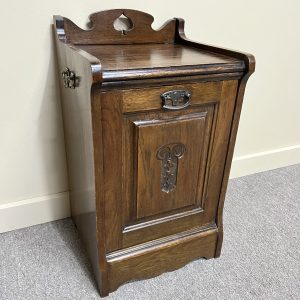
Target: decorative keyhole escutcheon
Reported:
[(169, 155)]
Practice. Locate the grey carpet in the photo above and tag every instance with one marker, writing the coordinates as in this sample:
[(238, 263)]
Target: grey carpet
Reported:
[(260, 257)]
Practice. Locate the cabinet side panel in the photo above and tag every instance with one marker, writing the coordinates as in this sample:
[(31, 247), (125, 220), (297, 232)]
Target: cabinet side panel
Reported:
[(219, 151), (76, 108), (232, 138)]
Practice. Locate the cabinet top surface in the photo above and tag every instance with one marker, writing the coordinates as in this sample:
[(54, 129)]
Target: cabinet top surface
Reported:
[(137, 51), (119, 61)]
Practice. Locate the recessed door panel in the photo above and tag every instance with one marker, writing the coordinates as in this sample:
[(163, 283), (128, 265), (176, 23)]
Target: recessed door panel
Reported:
[(168, 163), (165, 166)]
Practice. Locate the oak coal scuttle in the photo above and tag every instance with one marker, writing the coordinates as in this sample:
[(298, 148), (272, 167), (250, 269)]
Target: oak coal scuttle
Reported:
[(150, 122)]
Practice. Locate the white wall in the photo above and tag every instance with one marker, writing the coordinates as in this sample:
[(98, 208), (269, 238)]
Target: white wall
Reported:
[(32, 157)]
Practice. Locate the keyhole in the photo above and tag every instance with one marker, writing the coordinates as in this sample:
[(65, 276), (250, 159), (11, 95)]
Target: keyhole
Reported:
[(123, 24)]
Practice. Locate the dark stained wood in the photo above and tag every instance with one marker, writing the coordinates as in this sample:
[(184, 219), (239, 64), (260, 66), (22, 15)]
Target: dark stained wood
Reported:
[(229, 155), (181, 38), (166, 128), (78, 129), (249, 61), (218, 153), (157, 134), (149, 98), (169, 254), (102, 265), (152, 60), (115, 127), (101, 29), (111, 119), (154, 82), (179, 221), (115, 203), (151, 56), (153, 130)]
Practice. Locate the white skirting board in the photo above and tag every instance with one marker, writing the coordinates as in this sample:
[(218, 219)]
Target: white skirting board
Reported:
[(25, 213), (264, 161), (48, 208)]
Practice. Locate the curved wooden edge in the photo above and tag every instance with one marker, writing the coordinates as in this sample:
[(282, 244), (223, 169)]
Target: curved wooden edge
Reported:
[(250, 68), (62, 42), (232, 139), (248, 59), (249, 62), (159, 258), (101, 29)]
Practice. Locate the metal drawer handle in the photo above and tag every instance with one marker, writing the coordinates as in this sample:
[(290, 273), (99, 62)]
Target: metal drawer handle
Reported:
[(176, 99)]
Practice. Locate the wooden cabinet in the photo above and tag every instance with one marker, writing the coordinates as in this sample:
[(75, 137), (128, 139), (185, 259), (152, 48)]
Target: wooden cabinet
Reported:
[(150, 122)]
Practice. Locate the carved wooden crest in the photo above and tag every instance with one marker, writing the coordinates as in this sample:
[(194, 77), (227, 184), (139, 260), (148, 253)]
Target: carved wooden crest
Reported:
[(102, 29)]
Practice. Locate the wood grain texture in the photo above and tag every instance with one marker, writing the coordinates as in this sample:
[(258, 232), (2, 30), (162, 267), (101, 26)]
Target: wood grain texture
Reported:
[(150, 56), (218, 154), (170, 255), (161, 81), (136, 179), (78, 131), (151, 60), (111, 120), (101, 29), (114, 125), (120, 151), (149, 98), (188, 131), (249, 62), (232, 138), (136, 205), (246, 58)]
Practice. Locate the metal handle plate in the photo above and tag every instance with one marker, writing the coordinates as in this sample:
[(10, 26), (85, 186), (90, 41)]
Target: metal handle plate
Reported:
[(176, 99), (69, 78)]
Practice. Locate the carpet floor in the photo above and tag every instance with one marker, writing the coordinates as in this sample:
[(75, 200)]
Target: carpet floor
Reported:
[(260, 257)]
